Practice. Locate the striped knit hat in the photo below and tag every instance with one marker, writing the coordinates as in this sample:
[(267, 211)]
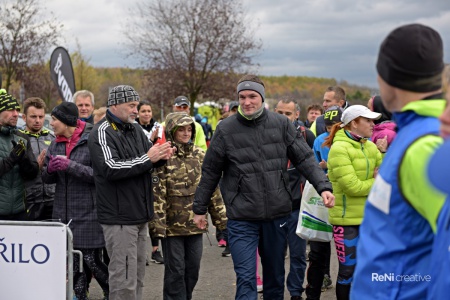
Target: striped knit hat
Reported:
[(7, 101)]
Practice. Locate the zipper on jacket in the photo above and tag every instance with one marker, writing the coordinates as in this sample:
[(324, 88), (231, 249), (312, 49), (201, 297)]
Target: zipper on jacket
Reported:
[(367, 162), (259, 144), (40, 171), (344, 200)]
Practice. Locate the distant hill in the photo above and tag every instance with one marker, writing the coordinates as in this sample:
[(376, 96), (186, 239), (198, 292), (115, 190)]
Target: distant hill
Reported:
[(308, 90)]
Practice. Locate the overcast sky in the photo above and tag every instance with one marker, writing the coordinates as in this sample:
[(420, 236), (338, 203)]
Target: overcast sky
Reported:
[(321, 38)]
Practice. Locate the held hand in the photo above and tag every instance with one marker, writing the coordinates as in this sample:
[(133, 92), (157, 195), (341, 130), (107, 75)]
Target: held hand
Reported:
[(328, 199), (57, 163), (200, 221), (375, 172), (62, 163), (51, 168), (382, 144), (323, 165), (158, 152)]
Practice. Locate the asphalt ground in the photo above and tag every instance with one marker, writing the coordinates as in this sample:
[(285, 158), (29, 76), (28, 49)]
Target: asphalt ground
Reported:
[(217, 277)]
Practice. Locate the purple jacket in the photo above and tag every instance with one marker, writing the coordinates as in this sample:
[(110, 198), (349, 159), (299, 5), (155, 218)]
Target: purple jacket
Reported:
[(381, 130)]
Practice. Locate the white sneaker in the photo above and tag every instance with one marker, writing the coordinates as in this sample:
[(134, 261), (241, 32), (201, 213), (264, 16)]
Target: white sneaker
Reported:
[(259, 288)]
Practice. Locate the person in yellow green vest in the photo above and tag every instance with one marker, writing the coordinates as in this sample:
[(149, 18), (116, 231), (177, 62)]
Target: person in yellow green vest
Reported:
[(182, 104)]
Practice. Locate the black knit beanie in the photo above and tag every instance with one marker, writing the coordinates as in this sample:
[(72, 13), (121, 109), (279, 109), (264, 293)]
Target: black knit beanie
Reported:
[(66, 112), (378, 107), (411, 58)]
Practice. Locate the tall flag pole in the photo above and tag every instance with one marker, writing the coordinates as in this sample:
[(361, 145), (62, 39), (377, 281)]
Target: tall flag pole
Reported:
[(61, 73)]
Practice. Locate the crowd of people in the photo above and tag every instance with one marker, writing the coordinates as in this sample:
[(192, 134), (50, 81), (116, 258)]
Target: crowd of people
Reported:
[(116, 176)]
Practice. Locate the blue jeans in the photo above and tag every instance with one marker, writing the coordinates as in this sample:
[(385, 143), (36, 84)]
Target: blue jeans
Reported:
[(270, 238), (297, 252)]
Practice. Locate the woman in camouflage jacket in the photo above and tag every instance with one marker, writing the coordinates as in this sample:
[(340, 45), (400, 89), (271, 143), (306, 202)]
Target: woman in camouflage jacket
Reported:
[(174, 187)]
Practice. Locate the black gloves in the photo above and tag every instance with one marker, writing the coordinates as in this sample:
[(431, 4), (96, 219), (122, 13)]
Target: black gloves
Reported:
[(18, 151)]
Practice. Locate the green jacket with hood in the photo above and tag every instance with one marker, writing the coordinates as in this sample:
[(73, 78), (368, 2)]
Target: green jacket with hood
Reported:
[(351, 165)]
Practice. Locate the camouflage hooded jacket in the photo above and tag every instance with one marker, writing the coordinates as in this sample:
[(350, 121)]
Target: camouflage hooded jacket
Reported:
[(174, 187)]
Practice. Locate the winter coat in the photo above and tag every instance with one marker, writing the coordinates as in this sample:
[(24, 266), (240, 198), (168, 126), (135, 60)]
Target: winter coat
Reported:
[(37, 190), (75, 198), (122, 172), (351, 165), (253, 156), (381, 130), (13, 175), (174, 187)]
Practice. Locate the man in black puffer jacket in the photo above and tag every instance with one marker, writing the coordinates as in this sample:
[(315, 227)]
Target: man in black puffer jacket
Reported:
[(252, 149)]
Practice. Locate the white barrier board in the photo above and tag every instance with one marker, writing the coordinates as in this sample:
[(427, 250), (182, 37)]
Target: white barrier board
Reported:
[(33, 262)]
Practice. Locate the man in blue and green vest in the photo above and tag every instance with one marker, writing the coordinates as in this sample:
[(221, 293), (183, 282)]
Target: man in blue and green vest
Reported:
[(397, 232)]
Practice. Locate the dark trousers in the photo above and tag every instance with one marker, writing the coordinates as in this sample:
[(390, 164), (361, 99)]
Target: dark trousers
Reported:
[(221, 234), (297, 253), (40, 211), (104, 257), (91, 258), (270, 239), (319, 260), (345, 239), (182, 255), (154, 241)]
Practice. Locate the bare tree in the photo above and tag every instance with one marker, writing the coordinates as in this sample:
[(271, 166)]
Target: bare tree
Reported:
[(25, 36), (194, 41), (37, 82)]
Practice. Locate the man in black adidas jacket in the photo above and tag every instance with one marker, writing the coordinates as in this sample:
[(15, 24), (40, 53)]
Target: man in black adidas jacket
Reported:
[(122, 160), (252, 149)]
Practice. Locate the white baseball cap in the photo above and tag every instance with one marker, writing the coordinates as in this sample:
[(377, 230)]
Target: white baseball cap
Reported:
[(354, 111)]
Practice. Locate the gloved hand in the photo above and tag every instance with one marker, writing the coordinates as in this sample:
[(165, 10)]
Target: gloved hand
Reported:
[(18, 151), (51, 168), (61, 163), (57, 163)]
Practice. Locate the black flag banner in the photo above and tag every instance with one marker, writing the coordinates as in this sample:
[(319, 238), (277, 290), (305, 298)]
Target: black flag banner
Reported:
[(61, 73)]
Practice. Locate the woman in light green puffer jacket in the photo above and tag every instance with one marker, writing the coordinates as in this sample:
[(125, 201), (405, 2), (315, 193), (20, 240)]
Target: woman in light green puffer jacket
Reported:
[(353, 163)]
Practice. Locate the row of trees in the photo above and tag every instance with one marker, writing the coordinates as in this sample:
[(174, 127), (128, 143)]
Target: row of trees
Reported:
[(192, 47), (26, 36), (197, 48)]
